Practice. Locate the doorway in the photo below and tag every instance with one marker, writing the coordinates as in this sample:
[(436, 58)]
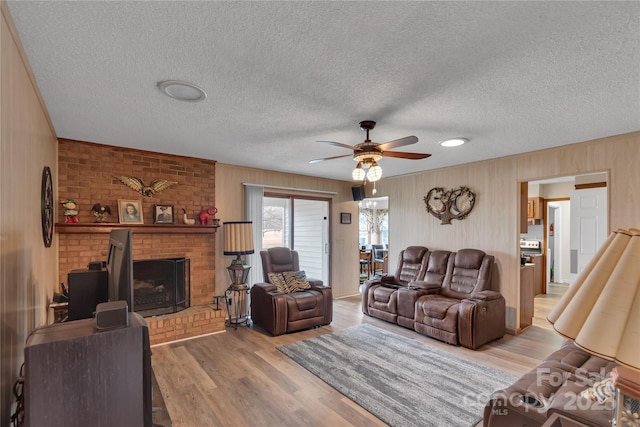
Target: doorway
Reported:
[(559, 217), (373, 236)]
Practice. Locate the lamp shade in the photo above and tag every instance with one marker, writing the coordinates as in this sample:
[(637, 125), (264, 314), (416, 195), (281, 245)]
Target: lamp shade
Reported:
[(375, 172), (601, 310), (358, 173), (238, 237)]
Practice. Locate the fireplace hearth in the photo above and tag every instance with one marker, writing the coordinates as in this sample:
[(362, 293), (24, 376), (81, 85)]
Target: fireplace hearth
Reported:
[(161, 286)]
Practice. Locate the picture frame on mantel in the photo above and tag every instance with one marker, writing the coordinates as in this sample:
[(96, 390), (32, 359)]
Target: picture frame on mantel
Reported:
[(163, 214), (130, 211), (345, 218)]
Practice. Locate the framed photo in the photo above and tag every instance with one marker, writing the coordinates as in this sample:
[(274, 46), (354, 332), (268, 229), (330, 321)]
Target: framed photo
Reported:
[(162, 214), (130, 211), (345, 218)]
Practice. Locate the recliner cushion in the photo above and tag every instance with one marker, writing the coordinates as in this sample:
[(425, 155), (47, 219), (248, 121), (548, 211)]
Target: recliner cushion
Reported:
[(437, 308)]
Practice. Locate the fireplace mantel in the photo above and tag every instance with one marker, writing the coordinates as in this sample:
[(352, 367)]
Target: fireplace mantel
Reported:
[(136, 228)]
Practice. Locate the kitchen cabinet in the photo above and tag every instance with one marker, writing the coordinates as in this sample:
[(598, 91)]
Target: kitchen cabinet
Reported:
[(534, 208), (538, 285), (526, 296)]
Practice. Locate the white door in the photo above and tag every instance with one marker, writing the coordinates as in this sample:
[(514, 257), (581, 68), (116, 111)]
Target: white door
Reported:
[(588, 226)]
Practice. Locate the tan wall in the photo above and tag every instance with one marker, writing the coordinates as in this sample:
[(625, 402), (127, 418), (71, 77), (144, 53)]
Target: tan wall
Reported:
[(27, 268), (344, 238), (493, 223)]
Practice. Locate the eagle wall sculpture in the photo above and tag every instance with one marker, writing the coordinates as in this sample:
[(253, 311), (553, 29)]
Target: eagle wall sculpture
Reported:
[(138, 185), (447, 205)]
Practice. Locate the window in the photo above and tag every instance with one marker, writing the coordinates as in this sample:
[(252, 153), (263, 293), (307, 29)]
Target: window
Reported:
[(373, 222)]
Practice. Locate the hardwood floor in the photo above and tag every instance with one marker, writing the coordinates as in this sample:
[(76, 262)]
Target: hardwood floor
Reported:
[(239, 378)]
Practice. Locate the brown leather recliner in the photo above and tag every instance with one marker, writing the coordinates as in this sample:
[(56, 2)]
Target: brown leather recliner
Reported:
[(437, 262), (464, 310), (379, 295), (279, 312)]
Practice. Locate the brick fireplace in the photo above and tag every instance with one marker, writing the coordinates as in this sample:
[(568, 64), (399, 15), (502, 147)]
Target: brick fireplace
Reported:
[(86, 174)]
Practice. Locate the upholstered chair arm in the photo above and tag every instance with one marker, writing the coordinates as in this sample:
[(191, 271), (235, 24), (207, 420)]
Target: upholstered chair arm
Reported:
[(327, 296), (388, 279), (365, 289), (481, 318), (265, 287), (315, 282), (269, 308), (485, 295), (425, 287)]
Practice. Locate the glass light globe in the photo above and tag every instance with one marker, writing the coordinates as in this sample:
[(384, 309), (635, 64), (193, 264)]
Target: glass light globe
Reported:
[(358, 173), (375, 172)]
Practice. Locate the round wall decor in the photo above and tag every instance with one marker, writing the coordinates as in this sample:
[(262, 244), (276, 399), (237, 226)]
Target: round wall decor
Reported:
[(46, 194)]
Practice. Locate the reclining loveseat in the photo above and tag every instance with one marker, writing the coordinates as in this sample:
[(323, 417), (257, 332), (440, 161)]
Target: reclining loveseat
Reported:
[(449, 298)]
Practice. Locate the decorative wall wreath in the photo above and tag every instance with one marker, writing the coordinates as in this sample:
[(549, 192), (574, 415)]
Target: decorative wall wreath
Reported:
[(447, 205)]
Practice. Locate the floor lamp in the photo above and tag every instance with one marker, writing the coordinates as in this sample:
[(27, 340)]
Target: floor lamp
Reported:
[(238, 241), (600, 312)]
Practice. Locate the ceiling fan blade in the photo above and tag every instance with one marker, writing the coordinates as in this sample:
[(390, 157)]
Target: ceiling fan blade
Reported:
[(407, 140), (401, 155), (329, 158), (337, 144)]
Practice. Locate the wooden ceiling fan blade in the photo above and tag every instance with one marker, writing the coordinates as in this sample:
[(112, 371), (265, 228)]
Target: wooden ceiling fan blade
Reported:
[(329, 158), (401, 155), (407, 140), (337, 144)]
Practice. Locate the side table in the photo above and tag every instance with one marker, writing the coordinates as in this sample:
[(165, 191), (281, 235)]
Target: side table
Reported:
[(59, 311), (237, 308)]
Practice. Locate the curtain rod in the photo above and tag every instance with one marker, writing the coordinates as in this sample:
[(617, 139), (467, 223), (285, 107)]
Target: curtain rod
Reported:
[(277, 187)]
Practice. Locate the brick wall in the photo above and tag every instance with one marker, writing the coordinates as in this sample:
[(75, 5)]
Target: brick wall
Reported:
[(85, 174)]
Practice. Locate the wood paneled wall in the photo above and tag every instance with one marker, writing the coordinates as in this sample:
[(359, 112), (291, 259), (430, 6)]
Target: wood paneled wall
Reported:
[(493, 224), (27, 268)]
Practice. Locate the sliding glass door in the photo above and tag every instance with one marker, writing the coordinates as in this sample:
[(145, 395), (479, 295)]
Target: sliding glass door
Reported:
[(301, 224)]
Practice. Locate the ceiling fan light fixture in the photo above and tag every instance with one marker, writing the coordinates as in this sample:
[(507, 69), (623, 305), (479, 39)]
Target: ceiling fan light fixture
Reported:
[(358, 173), (182, 91), (453, 142), (375, 172), (367, 156)]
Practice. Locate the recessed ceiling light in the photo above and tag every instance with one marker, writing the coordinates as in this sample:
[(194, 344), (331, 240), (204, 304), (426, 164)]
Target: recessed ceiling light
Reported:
[(183, 91), (453, 142)]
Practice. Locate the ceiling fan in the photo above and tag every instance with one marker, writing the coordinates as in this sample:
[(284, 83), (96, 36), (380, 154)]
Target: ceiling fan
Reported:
[(368, 153)]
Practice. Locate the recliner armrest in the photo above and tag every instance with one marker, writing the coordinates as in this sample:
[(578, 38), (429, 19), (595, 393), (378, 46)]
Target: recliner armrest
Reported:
[(484, 296), (265, 287), (431, 288), (315, 282)]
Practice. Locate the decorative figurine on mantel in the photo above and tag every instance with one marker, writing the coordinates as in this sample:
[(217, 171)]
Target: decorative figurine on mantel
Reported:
[(187, 220), (207, 216), (70, 211), (102, 213), (138, 185)]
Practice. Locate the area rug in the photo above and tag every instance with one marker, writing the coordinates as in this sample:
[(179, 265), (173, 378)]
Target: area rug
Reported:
[(402, 381)]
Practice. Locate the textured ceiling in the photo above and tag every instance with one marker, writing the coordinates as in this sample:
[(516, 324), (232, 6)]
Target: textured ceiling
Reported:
[(511, 76)]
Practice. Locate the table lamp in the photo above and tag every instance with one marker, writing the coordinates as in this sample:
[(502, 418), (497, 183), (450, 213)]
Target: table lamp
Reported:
[(600, 311), (238, 241)]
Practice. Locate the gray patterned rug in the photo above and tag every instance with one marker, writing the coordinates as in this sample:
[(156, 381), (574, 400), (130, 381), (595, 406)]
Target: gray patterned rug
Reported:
[(402, 381)]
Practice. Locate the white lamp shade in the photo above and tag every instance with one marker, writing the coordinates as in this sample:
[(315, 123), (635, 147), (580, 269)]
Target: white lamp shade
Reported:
[(375, 172), (358, 173), (601, 310), (238, 237)]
